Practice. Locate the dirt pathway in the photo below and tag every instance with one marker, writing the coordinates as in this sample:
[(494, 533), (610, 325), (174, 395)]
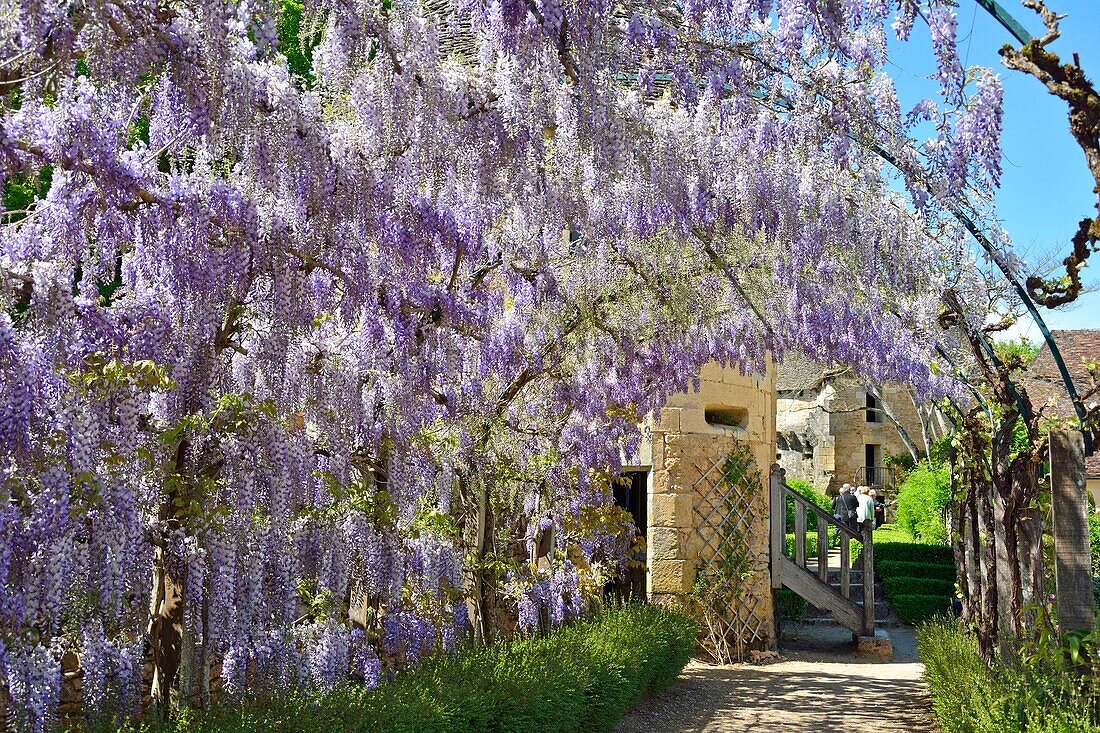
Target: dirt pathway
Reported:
[(818, 686)]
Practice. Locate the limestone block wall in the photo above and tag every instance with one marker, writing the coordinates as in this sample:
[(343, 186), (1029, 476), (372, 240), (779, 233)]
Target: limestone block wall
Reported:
[(684, 447), (852, 432), (805, 419)]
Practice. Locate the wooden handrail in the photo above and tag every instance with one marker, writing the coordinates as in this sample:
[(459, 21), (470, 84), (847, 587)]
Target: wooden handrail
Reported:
[(829, 518), (792, 572)]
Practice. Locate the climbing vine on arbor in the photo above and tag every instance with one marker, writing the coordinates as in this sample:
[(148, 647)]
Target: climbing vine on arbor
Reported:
[(306, 312)]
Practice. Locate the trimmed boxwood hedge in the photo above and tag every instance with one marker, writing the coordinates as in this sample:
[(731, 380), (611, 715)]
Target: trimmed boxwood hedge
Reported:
[(917, 607), (914, 552), (909, 586), (578, 679), (900, 568)]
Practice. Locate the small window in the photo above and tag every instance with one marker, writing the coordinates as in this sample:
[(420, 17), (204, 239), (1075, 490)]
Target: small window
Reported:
[(874, 408), (729, 417)]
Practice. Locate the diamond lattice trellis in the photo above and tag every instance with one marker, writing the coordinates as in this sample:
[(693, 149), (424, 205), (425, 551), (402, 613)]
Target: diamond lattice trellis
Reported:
[(726, 500)]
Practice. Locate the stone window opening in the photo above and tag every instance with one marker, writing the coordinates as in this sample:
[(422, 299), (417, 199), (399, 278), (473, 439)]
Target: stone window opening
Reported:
[(874, 408), (726, 417)]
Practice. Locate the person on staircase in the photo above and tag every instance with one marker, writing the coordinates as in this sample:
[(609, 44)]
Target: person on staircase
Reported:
[(845, 506), (865, 509)]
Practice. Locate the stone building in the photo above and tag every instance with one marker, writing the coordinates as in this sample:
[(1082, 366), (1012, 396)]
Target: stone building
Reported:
[(1048, 392), (833, 429), (690, 511)]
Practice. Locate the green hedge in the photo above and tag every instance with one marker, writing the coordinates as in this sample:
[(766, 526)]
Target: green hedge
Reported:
[(1094, 540), (912, 608), (910, 586), (1041, 696), (811, 544), (806, 489), (914, 552), (578, 679), (791, 605), (903, 568)]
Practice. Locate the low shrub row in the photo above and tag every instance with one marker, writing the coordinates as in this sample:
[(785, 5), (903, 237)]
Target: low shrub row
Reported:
[(912, 608), (918, 579), (791, 605), (1041, 694), (902, 568), (578, 679), (917, 586), (914, 552)]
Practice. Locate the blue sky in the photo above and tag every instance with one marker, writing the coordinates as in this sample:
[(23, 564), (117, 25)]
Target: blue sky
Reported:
[(1046, 188)]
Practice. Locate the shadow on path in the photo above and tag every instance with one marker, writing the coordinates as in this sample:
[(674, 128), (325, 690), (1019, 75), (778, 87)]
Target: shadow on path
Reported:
[(820, 690)]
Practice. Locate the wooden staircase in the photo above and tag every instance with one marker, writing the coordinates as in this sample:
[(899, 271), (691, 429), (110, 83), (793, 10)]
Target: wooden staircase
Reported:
[(841, 590)]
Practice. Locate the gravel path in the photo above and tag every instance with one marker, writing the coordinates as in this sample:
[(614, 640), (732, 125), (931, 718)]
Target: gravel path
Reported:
[(818, 685)]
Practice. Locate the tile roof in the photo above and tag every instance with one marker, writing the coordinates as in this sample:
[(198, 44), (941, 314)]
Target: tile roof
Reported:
[(800, 374), (1044, 383)]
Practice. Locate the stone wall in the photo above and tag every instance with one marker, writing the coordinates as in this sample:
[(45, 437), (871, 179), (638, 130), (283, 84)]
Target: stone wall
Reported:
[(852, 432), (685, 447), (832, 423), (809, 451)]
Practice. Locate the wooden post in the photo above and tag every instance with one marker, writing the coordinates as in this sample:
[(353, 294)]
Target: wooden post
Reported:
[(799, 534), (1072, 566), (845, 564), (822, 550), (868, 580), (778, 522)]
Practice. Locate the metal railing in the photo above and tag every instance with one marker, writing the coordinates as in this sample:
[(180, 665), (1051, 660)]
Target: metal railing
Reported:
[(875, 476)]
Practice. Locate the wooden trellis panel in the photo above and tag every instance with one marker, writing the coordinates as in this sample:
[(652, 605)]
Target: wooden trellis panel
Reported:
[(728, 498)]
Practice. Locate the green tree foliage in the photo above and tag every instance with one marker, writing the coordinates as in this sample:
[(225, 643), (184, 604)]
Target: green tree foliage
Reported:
[(806, 489), (922, 499), (296, 42), (1020, 348)]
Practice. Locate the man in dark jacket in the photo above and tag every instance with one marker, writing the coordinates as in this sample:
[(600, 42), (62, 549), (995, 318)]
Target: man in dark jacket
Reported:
[(880, 509), (845, 505)]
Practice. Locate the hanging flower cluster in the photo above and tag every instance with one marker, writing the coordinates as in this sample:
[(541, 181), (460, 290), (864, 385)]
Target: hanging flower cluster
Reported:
[(298, 308)]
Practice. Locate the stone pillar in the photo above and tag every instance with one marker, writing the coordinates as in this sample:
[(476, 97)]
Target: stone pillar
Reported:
[(685, 445), (1069, 505)]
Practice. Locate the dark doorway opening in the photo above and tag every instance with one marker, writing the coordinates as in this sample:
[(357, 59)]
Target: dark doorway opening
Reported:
[(874, 471), (631, 493)]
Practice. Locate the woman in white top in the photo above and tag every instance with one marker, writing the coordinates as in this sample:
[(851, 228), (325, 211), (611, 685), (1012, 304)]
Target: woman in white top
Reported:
[(865, 511)]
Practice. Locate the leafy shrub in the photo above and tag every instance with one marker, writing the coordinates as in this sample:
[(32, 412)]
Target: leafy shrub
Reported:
[(806, 489), (904, 568), (1039, 694), (960, 684), (912, 608), (578, 679), (811, 544), (914, 552), (922, 498), (791, 605), (918, 586)]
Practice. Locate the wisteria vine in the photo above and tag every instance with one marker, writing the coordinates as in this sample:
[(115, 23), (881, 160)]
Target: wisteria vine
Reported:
[(329, 319)]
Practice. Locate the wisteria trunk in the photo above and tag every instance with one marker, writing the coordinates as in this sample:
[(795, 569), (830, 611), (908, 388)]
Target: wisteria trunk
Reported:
[(166, 633)]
